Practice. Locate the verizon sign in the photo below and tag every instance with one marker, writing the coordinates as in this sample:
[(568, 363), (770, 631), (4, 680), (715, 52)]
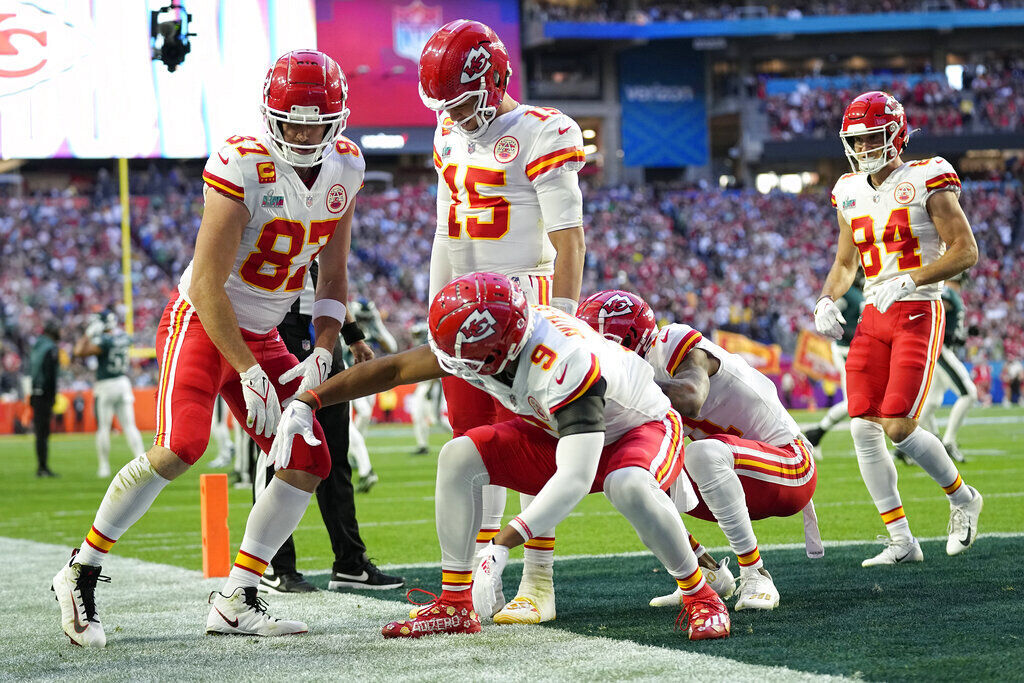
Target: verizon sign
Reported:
[(76, 79)]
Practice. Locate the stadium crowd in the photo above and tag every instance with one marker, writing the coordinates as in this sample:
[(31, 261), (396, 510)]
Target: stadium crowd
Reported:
[(991, 100), (643, 12), (735, 260)]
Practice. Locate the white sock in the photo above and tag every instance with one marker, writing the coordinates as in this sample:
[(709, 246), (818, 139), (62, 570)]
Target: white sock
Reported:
[(879, 474), (357, 451), (834, 415), (956, 418), (709, 463), (930, 454), (273, 518), (493, 507), (132, 490), (635, 493), (458, 501), (539, 551)]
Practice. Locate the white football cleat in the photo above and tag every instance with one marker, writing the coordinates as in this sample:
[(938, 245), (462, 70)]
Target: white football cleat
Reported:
[(245, 613), (757, 590), (896, 552), (721, 581), (963, 525), (533, 604), (75, 589)]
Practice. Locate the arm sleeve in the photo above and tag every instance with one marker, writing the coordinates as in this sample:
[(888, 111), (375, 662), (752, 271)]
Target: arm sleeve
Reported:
[(440, 266), (576, 459), (561, 201), (585, 414)]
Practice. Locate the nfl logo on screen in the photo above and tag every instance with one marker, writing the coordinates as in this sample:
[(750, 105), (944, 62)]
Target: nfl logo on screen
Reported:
[(413, 26)]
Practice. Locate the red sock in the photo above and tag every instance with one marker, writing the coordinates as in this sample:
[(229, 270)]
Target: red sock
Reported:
[(463, 598), (705, 593)]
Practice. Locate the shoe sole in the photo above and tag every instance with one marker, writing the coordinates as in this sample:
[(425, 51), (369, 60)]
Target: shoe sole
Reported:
[(214, 632), (278, 591), (764, 606), (339, 585), (500, 618)]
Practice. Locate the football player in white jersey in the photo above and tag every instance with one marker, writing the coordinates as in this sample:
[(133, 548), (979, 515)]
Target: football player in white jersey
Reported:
[(747, 458), (110, 345), (590, 418), (902, 222), (273, 204), (508, 201)]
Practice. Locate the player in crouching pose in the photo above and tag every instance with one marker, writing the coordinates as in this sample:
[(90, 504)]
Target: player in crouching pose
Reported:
[(590, 418), (747, 459), (904, 225), (273, 203)]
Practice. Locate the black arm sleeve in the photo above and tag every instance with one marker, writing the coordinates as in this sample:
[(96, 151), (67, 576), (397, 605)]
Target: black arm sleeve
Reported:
[(585, 414)]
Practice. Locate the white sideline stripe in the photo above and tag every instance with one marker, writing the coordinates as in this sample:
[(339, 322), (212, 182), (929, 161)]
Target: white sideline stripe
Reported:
[(154, 616), (716, 549)]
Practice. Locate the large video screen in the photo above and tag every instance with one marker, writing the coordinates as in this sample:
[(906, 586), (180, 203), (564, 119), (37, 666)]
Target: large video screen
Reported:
[(378, 45), (76, 79)]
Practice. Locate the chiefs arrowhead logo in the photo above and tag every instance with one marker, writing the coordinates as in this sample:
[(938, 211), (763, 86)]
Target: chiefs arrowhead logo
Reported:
[(616, 305), (478, 61), (479, 325)]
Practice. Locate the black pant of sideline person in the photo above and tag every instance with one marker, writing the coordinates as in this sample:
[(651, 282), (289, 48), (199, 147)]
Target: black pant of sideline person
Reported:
[(335, 496), (42, 417)]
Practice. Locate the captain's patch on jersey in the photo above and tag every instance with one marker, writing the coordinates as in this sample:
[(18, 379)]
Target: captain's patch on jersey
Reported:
[(506, 149), (336, 199), (266, 172)]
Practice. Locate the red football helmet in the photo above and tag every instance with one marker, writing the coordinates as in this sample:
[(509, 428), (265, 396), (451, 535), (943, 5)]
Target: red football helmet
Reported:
[(622, 317), (874, 112), (304, 87), (478, 322), (462, 61)]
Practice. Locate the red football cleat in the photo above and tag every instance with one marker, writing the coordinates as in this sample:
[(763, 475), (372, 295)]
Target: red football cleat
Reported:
[(439, 616), (706, 615)]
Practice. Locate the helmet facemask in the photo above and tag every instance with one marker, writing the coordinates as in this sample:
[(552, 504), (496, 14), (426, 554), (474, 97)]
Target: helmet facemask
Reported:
[(458, 366), (866, 161), (303, 156), (482, 114)]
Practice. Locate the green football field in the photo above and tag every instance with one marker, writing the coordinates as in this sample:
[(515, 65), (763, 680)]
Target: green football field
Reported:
[(946, 618)]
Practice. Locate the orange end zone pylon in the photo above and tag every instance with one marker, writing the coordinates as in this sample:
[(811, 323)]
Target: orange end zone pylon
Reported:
[(213, 510)]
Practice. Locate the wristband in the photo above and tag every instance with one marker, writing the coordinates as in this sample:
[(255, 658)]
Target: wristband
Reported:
[(565, 304), (316, 397), (329, 308), (351, 333)]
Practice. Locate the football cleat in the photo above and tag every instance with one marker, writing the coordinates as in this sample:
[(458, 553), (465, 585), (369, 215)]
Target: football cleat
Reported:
[(244, 613), (963, 525), (366, 483), (533, 604), (704, 615), (438, 616), (896, 552), (954, 452), (814, 435), (74, 587), (721, 581), (757, 590)]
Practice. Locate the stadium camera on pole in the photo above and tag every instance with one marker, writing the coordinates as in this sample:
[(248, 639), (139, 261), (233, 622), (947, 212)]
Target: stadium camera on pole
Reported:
[(169, 39)]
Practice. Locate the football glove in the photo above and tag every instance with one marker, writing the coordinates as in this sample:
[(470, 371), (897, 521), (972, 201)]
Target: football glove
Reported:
[(893, 290), (828, 319), (565, 304), (313, 371), (263, 409), (296, 420), (488, 595)]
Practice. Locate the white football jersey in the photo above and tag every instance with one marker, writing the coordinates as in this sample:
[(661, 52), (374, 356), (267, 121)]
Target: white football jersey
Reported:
[(741, 401), (289, 222), (891, 226), (487, 206), (562, 359)]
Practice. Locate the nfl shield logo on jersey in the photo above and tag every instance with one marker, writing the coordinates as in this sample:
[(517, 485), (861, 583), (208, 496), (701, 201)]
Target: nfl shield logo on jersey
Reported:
[(479, 325), (412, 27)]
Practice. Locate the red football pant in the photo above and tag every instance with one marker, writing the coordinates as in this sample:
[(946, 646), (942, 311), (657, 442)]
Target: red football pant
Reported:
[(193, 372), (521, 457), (777, 481), (469, 407), (892, 358)]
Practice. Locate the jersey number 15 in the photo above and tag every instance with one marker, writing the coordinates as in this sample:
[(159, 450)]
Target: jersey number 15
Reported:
[(467, 183)]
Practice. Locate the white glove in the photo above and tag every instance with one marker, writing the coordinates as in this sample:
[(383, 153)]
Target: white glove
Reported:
[(313, 371), (893, 290), (565, 304), (261, 402), (828, 319), (93, 330), (488, 596), (296, 420)]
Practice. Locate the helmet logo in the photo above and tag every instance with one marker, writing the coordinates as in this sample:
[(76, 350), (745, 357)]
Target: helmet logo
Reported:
[(616, 305), (479, 325), (478, 61), (892, 106)]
